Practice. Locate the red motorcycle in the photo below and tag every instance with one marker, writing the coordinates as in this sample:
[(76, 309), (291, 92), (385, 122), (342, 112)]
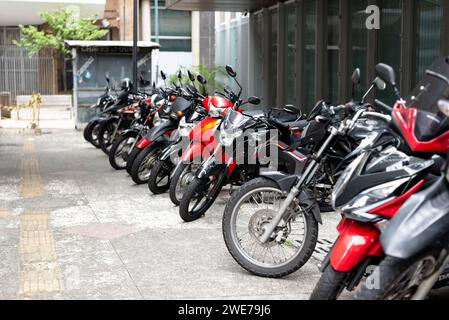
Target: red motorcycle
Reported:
[(202, 145), (377, 184)]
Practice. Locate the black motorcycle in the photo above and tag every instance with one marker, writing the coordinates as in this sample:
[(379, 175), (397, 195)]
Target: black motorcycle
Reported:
[(270, 225), (104, 102)]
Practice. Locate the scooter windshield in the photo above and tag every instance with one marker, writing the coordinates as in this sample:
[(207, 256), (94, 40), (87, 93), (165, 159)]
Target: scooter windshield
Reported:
[(233, 120), (429, 121), (433, 87)]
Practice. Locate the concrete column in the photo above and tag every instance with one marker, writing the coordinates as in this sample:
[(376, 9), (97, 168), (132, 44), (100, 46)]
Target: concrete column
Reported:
[(145, 20), (196, 37)]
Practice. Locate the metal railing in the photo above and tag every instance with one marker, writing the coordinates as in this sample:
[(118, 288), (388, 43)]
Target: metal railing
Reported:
[(22, 74)]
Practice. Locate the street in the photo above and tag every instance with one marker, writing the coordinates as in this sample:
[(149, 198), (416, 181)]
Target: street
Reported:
[(71, 227)]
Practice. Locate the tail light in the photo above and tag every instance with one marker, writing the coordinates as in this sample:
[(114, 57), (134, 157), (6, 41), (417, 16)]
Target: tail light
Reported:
[(172, 98)]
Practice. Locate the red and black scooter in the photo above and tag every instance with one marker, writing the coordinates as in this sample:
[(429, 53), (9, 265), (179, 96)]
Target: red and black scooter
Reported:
[(376, 185)]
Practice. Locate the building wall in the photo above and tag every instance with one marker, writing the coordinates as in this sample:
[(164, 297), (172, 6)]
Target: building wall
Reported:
[(302, 51)]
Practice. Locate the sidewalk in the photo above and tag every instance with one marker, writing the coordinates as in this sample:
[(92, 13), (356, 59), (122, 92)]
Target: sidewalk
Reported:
[(71, 227)]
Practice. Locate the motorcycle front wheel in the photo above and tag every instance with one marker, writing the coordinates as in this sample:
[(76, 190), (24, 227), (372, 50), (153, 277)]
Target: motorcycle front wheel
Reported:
[(247, 213), (105, 135), (396, 279), (159, 181), (199, 197), (182, 177), (118, 155), (143, 164)]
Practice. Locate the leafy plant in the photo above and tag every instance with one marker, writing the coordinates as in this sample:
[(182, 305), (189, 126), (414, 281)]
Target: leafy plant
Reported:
[(214, 77), (62, 24)]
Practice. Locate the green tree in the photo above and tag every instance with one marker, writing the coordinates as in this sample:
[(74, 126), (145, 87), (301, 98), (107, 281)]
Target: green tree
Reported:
[(61, 24), (214, 77)]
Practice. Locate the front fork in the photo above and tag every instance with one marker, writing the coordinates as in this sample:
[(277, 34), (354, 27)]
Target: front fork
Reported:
[(305, 178), (116, 130)]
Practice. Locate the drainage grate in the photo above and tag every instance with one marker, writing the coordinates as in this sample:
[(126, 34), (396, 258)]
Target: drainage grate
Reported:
[(323, 247)]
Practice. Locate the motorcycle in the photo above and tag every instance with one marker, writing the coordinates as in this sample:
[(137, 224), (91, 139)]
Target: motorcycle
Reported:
[(124, 145), (160, 176), (369, 193), (90, 132), (415, 242), (270, 225), (151, 146), (120, 116)]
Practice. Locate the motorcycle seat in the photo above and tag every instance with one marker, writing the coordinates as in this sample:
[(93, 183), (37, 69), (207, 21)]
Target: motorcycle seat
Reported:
[(297, 126)]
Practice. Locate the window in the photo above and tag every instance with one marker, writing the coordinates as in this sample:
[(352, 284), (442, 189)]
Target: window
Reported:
[(290, 54), (259, 57), (389, 46), (273, 78), (428, 42), (308, 82), (331, 70), (358, 39), (175, 29)]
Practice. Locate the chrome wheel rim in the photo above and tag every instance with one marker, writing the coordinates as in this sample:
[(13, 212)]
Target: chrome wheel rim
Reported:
[(248, 221)]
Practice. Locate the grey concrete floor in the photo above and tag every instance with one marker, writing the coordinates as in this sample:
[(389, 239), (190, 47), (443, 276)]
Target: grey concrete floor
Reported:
[(85, 231)]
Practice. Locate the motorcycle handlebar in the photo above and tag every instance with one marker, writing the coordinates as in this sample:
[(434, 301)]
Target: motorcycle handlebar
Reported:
[(382, 106)]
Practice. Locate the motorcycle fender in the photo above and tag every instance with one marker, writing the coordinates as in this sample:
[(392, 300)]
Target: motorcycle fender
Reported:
[(420, 224), (143, 143), (96, 119), (357, 241), (170, 151), (130, 133), (157, 133), (285, 182), (307, 199), (209, 168), (194, 151)]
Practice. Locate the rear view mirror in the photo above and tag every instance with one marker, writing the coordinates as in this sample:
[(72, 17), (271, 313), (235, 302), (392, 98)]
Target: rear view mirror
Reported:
[(231, 71), (356, 77), (380, 84), (201, 79), (254, 100), (386, 73), (108, 80), (191, 76), (163, 75), (180, 74), (443, 105)]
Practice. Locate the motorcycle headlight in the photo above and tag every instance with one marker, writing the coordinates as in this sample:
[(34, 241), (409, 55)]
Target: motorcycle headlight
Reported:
[(227, 138), (214, 112), (185, 130), (375, 196), (137, 114)]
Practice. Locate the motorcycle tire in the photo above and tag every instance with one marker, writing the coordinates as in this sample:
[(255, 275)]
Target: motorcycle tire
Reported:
[(175, 179), (106, 127), (301, 258), (89, 132), (132, 156), (185, 212), (164, 169), (118, 146), (330, 285), (153, 151), (380, 285)]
